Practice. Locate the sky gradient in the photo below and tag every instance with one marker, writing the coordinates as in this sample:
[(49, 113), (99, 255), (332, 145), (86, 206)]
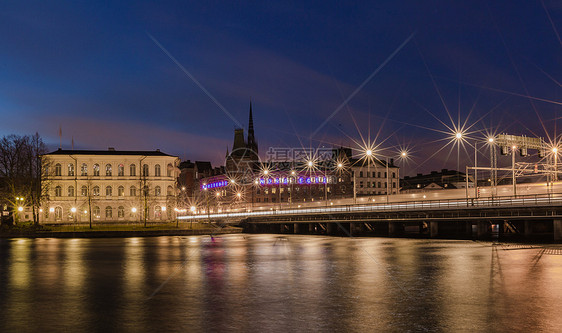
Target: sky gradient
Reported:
[(96, 70)]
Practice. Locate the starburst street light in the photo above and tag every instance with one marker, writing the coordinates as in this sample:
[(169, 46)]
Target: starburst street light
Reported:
[(458, 135)]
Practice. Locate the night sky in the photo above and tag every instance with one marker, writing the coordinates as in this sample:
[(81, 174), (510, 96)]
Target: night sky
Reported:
[(106, 73)]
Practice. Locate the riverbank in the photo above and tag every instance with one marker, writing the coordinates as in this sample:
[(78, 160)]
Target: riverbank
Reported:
[(113, 231)]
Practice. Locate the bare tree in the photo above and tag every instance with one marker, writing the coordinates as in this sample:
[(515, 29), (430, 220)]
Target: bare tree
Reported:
[(21, 170)]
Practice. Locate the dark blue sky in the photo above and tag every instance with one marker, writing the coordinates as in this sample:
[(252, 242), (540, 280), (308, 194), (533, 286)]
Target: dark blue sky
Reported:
[(93, 69)]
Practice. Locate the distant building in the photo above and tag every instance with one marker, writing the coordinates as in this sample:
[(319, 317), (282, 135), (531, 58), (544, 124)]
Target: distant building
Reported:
[(247, 180), (110, 185), (244, 156), (376, 177), (444, 180)]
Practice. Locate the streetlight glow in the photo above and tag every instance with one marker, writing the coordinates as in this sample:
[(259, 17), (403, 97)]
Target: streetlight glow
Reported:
[(134, 209), (458, 135), (20, 208), (73, 209)]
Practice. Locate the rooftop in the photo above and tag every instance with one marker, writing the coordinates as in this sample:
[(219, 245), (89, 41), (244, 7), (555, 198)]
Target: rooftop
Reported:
[(109, 151)]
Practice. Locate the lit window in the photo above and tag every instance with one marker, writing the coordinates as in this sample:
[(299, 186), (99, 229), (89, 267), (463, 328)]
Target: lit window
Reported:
[(108, 212), (58, 213), (120, 191), (108, 170), (157, 191), (71, 169), (133, 170), (96, 169), (157, 212), (121, 170), (84, 170), (84, 190), (157, 170), (96, 191), (108, 191), (121, 212), (96, 212)]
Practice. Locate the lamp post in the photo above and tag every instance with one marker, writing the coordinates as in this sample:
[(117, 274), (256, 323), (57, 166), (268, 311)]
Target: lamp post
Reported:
[(513, 150), (491, 143), (555, 153)]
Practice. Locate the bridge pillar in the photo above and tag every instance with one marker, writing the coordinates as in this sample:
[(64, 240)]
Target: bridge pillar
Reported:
[(557, 224), (433, 229), (528, 229), (482, 229), (392, 229), (295, 228), (330, 228)]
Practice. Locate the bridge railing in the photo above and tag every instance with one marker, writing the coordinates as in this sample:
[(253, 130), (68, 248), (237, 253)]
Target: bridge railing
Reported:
[(468, 203)]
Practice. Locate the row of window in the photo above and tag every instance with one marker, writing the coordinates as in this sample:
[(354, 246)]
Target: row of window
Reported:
[(109, 191), (96, 212), (109, 170), (375, 174), (378, 184)]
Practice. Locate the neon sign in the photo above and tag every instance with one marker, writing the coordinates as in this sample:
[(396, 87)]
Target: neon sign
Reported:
[(293, 180), (217, 184)]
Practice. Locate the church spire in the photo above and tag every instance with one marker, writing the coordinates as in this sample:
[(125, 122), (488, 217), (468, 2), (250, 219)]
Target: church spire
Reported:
[(251, 125), (251, 138)]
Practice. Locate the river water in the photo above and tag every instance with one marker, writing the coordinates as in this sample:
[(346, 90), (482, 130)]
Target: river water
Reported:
[(272, 283)]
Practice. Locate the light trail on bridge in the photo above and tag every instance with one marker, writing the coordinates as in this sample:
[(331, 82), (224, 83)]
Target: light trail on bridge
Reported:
[(533, 199)]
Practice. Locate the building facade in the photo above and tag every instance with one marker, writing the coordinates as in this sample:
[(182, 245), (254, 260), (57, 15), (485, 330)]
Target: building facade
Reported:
[(443, 180), (109, 186), (375, 178)]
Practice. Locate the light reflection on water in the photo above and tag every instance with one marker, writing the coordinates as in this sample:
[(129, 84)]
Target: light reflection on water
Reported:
[(276, 283)]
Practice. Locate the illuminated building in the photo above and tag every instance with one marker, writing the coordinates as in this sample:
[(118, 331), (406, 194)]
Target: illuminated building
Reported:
[(375, 178), (109, 185)]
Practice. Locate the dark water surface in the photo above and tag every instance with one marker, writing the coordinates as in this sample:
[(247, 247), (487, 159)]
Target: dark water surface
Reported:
[(270, 283)]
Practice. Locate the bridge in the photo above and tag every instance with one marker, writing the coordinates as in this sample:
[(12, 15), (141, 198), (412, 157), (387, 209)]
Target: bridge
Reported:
[(537, 214)]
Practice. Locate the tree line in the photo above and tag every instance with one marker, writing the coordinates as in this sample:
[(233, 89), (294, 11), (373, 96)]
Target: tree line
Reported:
[(21, 170)]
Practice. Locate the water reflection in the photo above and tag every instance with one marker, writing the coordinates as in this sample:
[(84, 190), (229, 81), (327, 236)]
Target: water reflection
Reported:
[(276, 283)]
